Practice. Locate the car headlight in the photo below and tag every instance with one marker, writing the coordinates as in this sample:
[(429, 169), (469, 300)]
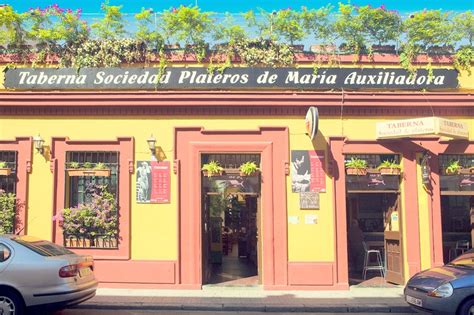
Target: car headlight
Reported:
[(443, 291)]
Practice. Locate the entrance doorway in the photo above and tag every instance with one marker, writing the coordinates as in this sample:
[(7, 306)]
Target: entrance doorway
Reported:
[(231, 251), (457, 221), (373, 215), (372, 221)]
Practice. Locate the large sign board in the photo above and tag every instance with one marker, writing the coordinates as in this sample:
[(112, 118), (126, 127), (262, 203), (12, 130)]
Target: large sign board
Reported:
[(232, 78), (422, 126)]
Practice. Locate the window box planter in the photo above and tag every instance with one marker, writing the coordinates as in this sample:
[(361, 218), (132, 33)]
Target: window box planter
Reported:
[(466, 171), (251, 174), (5, 171), (356, 171), (440, 50), (383, 48), (297, 47), (211, 174), (389, 171), (88, 172), (323, 49)]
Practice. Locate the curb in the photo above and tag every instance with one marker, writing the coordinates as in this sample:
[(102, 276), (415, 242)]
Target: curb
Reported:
[(250, 308)]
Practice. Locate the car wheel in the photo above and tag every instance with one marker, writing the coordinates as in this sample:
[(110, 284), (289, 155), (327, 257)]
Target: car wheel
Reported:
[(467, 308), (11, 303)]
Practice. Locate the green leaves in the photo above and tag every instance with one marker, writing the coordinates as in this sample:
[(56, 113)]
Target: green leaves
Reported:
[(428, 28), (187, 25), (111, 26), (7, 212)]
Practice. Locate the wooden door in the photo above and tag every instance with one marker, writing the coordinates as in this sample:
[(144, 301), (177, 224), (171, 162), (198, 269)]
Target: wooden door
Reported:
[(206, 242), (393, 243)]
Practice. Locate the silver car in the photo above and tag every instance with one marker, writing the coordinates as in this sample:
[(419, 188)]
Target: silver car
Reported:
[(37, 273)]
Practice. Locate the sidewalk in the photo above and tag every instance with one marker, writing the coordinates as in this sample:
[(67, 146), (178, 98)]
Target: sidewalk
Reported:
[(253, 299)]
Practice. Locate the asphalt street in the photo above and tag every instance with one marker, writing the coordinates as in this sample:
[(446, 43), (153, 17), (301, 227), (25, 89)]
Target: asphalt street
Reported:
[(134, 312)]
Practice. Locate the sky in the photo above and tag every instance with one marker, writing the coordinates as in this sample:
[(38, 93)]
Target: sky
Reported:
[(93, 6)]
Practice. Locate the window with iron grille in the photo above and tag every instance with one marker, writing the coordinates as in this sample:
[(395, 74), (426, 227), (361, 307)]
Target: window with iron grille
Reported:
[(373, 181), (231, 161), (95, 196), (8, 183), (8, 192)]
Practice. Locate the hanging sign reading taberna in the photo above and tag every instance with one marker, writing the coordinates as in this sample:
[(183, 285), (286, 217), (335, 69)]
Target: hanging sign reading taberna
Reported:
[(311, 122)]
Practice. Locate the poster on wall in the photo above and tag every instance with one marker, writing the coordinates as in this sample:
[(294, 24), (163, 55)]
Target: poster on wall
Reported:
[(307, 171), (309, 200), (153, 182)]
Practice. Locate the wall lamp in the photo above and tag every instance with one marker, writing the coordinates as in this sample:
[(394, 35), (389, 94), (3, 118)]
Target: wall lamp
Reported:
[(38, 143), (151, 143)]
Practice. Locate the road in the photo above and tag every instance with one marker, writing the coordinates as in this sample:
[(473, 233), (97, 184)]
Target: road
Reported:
[(134, 312)]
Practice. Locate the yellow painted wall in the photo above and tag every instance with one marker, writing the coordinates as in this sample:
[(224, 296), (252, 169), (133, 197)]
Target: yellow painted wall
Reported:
[(154, 226), (424, 219)]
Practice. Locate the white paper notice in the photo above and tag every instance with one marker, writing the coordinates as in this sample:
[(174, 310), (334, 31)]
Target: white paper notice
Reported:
[(293, 219), (311, 219)]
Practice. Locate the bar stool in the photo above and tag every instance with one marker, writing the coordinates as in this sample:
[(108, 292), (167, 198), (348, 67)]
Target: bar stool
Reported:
[(379, 263), (461, 247)]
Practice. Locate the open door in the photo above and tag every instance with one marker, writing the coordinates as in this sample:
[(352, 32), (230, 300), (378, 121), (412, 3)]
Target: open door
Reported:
[(393, 242)]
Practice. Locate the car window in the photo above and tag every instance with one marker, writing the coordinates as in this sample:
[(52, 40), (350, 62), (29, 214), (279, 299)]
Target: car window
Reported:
[(464, 260), (44, 248), (5, 253)]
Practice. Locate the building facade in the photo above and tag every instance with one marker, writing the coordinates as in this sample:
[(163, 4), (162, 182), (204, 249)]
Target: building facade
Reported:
[(297, 211)]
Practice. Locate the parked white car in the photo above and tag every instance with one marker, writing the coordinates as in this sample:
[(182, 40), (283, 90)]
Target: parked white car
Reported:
[(37, 273)]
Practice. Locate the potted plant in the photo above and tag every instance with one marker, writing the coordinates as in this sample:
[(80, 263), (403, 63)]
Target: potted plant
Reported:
[(380, 26), (89, 222), (4, 169), (356, 166), (212, 169), (288, 27), (248, 168), (7, 212), (350, 28), (87, 169), (189, 26), (389, 168), (453, 168)]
